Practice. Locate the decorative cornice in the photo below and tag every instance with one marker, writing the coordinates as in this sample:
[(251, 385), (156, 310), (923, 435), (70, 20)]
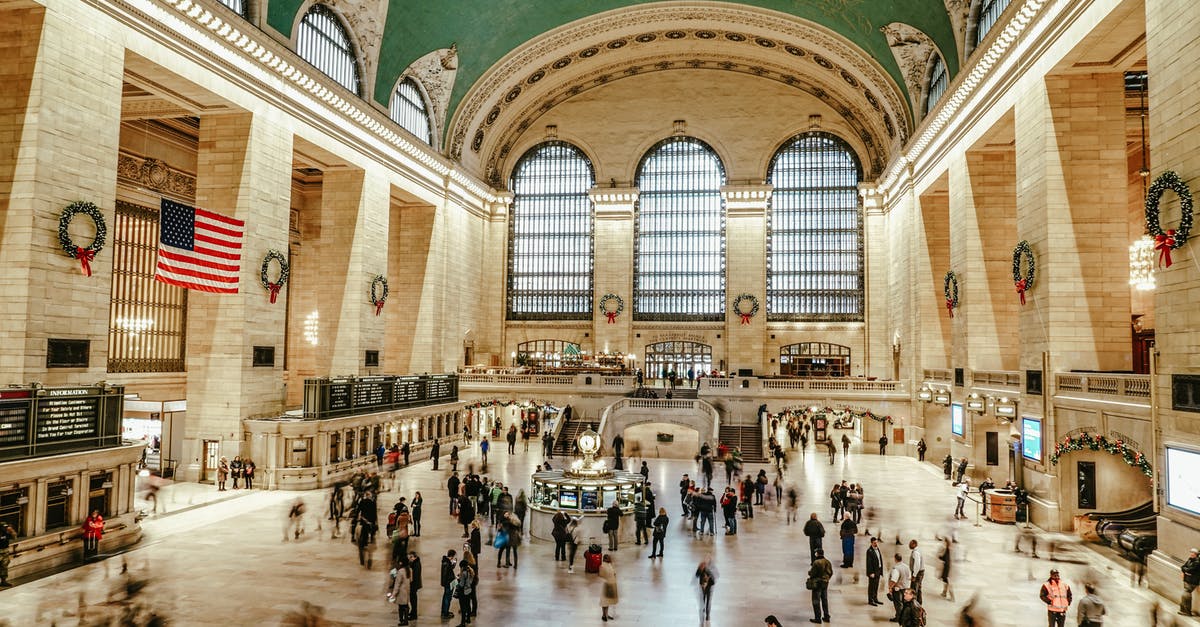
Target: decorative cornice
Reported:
[(155, 175), (746, 200), (614, 203)]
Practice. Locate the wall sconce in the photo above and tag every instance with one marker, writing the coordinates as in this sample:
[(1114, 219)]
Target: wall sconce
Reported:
[(925, 394), (975, 403), (1006, 408), (942, 397)]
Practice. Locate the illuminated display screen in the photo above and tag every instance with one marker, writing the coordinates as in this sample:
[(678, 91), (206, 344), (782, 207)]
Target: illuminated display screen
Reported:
[(957, 419), (1031, 439)]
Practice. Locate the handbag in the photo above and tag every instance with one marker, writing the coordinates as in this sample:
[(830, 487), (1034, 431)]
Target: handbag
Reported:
[(501, 540), (809, 584), (610, 590)]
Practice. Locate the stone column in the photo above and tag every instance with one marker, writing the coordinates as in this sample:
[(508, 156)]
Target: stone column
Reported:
[(60, 115), (614, 268), (879, 332), (1173, 57), (746, 273), (244, 172)]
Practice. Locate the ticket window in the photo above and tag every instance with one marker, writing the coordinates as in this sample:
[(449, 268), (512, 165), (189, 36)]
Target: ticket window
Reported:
[(13, 505), (100, 493), (363, 447), (298, 453), (58, 504), (335, 447), (349, 445)]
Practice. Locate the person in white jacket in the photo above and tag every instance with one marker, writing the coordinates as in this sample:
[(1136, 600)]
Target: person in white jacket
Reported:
[(399, 590)]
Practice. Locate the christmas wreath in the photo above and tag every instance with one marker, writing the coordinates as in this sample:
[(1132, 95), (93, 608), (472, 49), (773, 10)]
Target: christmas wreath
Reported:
[(611, 313), (378, 299), (1023, 282), (273, 288), (84, 255), (1072, 443), (737, 307), (1165, 242), (950, 290)]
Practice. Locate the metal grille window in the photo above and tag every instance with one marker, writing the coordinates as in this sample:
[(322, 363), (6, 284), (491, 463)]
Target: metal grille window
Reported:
[(13, 503), (147, 325), (663, 358), (58, 504), (236, 5), (548, 354), (550, 235), (814, 359), (989, 13), (814, 231), (679, 246), (939, 79), (408, 110), (325, 43)]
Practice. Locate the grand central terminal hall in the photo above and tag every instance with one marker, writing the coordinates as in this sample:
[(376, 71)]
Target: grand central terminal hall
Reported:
[(297, 297)]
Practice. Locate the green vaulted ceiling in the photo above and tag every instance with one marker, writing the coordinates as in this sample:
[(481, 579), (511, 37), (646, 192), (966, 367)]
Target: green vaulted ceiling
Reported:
[(486, 30)]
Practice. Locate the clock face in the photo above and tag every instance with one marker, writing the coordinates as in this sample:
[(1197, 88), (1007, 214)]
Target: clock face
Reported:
[(587, 442)]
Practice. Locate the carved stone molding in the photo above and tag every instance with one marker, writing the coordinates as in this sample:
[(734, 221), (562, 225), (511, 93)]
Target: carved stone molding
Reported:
[(365, 19), (155, 175), (959, 12), (912, 49), (610, 37)]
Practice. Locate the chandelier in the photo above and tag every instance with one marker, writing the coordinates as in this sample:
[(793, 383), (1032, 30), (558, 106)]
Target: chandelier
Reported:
[(1141, 251)]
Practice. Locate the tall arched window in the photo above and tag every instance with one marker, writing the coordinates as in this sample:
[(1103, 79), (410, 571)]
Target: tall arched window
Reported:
[(408, 110), (989, 14), (679, 247), (236, 5), (550, 235), (939, 79), (325, 43), (814, 231)]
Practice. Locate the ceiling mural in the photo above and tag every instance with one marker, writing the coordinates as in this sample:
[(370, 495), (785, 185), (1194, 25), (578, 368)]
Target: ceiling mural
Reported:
[(487, 32)]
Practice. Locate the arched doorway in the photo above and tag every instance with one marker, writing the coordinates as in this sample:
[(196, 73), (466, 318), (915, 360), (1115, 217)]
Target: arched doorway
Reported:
[(678, 356), (814, 359)]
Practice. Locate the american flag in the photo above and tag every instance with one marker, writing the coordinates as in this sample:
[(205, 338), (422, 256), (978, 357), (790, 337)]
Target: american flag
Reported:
[(198, 249)]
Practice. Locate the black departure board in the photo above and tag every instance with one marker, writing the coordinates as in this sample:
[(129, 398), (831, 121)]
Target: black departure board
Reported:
[(14, 422), (346, 396), (67, 418)]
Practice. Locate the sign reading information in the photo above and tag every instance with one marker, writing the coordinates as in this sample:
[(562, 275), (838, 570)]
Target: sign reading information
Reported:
[(347, 396), (47, 421)]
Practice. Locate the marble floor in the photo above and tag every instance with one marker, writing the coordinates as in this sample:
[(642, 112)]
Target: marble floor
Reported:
[(224, 563)]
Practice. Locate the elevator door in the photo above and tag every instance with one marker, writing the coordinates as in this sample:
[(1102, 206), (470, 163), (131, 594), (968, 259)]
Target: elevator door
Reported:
[(212, 451)]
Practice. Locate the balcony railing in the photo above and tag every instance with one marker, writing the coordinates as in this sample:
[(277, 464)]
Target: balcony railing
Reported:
[(1132, 386), (939, 374), (1005, 378)]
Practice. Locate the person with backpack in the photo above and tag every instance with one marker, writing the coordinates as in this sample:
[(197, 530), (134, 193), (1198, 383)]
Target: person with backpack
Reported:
[(911, 612), (660, 533), (819, 575), (464, 591)]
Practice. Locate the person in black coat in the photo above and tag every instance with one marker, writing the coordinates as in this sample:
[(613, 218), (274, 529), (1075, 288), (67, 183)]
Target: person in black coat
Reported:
[(466, 513), (612, 525), (435, 452), (452, 491), (560, 535), (816, 534), (447, 581), (475, 541), (874, 572), (414, 583)]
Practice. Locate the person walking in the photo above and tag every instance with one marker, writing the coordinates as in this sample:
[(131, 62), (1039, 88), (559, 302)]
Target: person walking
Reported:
[(608, 594), (1191, 578), (816, 534), (819, 575), (1091, 608), (962, 469), (1056, 594), (898, 580), (848, 532), (916, 565), (449, 562), (406, 450), (660, 532), (400, 591), (706, 573), (435, 453), (573, 540), (612, 525), (93, 530), (483, 449), (946, 556), (874, 572), (454, 458), (845, 444), (511, 437)]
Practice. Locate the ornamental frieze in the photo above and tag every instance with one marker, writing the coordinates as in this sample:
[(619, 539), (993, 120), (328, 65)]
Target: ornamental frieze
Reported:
[(155, 175)]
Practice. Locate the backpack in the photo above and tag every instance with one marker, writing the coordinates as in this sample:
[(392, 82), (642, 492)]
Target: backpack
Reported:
[(920, 614)]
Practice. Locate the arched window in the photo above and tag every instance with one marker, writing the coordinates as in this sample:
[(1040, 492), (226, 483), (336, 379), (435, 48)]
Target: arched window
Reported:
[(325, 43), (814, 231), (679, 246), (550, 235), (939, 79), (238, 6), (989, 13), (408, 110)]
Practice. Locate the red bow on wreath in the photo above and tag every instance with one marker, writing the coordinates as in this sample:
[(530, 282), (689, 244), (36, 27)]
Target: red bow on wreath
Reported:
[(274, 289), (85, 256), (1163, 243), (378, 307), (950, 307), (745, 318), (1021, 290), (612, 317)]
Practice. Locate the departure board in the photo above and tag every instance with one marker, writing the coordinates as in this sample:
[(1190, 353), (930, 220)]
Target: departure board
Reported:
[(14, 422), (67, 418)]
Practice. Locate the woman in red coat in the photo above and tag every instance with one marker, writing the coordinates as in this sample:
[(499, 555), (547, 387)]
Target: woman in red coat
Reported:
[(93, 530)]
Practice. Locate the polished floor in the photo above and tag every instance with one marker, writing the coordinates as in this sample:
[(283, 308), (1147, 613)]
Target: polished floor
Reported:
[(223, 562)]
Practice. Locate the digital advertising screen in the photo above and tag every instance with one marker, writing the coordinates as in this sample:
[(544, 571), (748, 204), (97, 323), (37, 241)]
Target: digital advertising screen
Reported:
[(957, 419), (568, 498), (1183, 479), (1031, 439)]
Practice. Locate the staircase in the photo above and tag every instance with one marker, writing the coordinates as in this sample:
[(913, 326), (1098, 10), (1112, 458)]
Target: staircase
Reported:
[(747, 438), (567, 436), (682, 393)]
